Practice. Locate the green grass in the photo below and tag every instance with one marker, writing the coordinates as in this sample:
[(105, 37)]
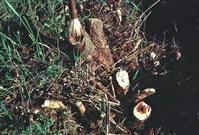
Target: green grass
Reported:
[(18, 78), (41, 127)]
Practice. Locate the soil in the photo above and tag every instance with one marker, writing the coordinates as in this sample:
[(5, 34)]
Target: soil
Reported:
[(176, 107)]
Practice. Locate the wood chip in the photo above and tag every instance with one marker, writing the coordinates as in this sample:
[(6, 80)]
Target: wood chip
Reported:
[(144, 94), (122, 78), (53, 104), (81, 107), (142, 111)]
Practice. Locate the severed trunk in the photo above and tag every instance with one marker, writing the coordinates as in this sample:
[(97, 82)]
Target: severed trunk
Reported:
[(101, 54)]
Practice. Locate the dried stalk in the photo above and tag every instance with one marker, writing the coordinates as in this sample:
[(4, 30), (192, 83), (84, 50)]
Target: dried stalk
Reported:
[(73, 9), (110, 97), (75, 28), (117, 5)]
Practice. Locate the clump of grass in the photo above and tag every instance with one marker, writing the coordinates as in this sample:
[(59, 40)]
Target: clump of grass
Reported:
[(26, 68)]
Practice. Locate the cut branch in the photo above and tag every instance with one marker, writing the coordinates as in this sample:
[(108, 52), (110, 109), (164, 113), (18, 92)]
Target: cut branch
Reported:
[(72, 9)]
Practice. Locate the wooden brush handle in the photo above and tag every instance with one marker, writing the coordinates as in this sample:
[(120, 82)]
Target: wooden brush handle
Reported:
[(73, 9)]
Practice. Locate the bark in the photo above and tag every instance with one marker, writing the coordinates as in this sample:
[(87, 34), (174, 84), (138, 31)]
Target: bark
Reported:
[(93, 46), (101, 54)]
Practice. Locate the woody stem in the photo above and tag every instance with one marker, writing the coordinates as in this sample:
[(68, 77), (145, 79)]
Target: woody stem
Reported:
[(73, 9)]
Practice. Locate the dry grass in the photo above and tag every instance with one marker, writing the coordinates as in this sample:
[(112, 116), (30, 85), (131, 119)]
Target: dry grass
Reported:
[(47, 67)]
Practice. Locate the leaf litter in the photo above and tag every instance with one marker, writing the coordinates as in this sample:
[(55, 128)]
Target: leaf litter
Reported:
[(88, 92)]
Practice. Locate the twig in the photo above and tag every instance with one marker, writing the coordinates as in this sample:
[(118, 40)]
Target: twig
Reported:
[(113, 99), (55, 81), (109, 119), (113, 90), (72, 9), (119, 127), (149, 8), (107, 115)]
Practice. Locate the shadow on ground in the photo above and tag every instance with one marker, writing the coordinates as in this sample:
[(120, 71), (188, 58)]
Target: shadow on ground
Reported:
[(176, 105)]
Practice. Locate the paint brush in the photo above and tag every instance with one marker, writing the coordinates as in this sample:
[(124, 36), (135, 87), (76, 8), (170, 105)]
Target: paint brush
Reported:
[(75, 31)]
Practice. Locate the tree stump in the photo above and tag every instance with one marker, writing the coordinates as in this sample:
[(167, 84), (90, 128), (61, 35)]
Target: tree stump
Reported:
[(101, 54), (93, 46)]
